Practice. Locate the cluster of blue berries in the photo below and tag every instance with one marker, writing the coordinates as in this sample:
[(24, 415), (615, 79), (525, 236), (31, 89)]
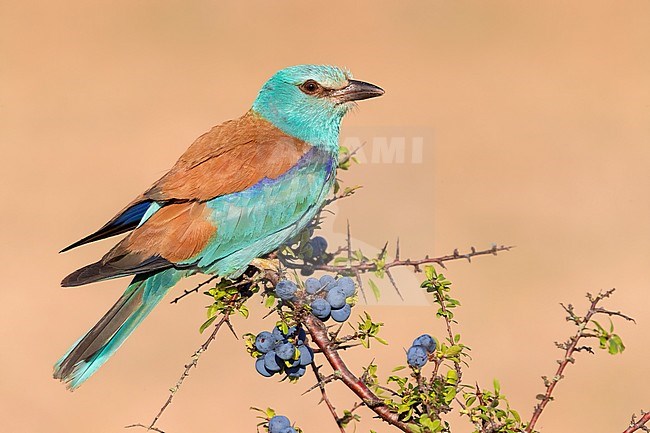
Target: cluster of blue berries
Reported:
[(279, 352), (327, 296), (281, 424), (330, 297), (418, 353)]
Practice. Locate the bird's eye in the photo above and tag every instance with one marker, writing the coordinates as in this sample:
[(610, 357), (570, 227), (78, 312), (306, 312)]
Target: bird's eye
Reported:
[(310, 87)]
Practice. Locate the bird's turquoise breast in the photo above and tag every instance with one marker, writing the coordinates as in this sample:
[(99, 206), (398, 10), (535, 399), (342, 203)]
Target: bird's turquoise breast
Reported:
[(256, 221)]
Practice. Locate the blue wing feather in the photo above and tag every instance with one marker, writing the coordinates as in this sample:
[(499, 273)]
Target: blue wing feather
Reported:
[(122, 223)]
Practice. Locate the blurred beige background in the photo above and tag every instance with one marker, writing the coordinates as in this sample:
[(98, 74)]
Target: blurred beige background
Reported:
[(540, 121)]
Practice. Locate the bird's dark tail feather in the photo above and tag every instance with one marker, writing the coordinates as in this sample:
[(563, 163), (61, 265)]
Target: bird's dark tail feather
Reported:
[(115, 268), (93, 349)]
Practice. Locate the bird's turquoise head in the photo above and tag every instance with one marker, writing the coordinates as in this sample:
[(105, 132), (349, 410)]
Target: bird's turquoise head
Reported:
[(309, 101)]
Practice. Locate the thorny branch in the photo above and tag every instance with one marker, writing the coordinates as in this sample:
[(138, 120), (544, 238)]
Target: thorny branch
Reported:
[(342, 163), (320, 337), (571, 346), (148, 427), (194, 290), (450, 333), (324, 397), (368, 266), (640, 424), (188, 367)]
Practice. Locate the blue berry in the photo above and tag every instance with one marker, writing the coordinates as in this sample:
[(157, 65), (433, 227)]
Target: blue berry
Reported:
[(321, 308), (416, 356), (289, 430), (318, 246), (347, 285), (312, 285), (336, 298), (297, 371), (296, 333), (272, 363), (426, 341), (293, 363), (278, 423), (264, 341), (278, 335), (327, 282), (286, 289), (301, 336), (286, 351), (261, 369), (342, 314), (306, 355)]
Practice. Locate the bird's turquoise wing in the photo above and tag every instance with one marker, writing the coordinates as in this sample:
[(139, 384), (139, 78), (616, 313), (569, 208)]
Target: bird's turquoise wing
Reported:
[(256, 221)]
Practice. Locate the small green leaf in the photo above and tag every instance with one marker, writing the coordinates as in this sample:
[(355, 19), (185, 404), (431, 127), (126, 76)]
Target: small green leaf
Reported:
[(282, 326), (600, 328), (453, 350), (381, 340), (212, 310), (449, 394), (270, 301), (207, 323), (615, 345), (429, 272), (375, 289)]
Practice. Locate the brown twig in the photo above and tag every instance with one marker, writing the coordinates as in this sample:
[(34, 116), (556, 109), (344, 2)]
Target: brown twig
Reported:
[(244, 281), (350, 415), (350, 154), (487, 425), (365, 267), (570, 348), (450, 334), (147, 427), (346, 193), (392, 281), (639, 424), (324, 380), (348, 266), (351, 190), (194, 290), (186, 373), (319, 335), (325, 398)]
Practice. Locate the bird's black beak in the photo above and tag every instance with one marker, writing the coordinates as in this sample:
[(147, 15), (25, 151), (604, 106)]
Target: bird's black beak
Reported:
[(356, 91)]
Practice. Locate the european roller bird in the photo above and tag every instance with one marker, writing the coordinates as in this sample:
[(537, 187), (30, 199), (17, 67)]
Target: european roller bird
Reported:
[(240, 191)]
